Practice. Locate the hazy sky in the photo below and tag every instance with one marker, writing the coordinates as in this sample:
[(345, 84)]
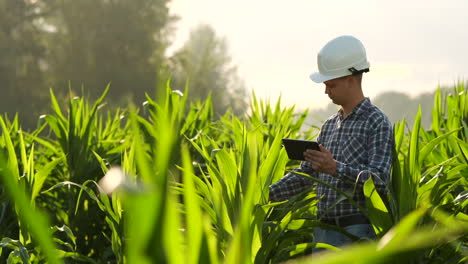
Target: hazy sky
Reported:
[(412, 45)]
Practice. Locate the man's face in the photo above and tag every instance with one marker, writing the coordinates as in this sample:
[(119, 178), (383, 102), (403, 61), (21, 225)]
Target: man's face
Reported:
[(338, 90)]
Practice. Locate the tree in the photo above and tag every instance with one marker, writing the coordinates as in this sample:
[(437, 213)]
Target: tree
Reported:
[(204, 63), (399, 105), (22, 54), (97, 42)]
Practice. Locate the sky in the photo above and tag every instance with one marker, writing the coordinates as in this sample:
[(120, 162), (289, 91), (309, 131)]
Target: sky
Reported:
[(413, 46)]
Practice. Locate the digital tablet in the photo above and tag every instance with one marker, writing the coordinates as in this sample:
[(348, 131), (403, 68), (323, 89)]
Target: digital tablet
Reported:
[(296, 147)]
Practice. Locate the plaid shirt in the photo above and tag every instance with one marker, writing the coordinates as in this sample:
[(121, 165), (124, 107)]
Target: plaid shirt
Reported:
[(362, 144)]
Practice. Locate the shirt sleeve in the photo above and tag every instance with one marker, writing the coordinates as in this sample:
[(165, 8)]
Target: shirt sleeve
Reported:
[(381, 143), (291, 184)]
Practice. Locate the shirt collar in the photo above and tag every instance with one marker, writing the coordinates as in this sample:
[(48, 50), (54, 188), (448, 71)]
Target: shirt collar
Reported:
[(360, 108)]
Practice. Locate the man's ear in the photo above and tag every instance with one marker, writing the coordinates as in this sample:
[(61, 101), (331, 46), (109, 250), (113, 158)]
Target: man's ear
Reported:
[(350, 80), (354, 80)]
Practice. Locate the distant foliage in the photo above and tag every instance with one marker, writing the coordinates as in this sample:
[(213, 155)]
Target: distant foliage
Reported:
[(205, 65), (22, 56), (396, 105), (97, 42)]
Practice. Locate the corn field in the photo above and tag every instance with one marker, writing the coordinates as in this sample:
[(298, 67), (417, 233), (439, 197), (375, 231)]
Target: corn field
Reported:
[(170, 183)]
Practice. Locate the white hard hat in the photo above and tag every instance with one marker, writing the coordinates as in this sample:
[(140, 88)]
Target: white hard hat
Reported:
[(342, 56)]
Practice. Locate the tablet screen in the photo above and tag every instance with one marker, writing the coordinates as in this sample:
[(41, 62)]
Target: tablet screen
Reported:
[(296, 147)]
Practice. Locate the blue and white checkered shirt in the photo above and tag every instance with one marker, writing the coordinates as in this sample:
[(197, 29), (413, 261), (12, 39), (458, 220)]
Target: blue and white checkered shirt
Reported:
[(362, 144)]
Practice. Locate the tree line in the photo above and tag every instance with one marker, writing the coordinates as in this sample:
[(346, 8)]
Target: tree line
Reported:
[(80, 47)]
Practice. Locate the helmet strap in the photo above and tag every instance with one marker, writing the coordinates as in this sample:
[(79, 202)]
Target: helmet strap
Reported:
[(356, 72)]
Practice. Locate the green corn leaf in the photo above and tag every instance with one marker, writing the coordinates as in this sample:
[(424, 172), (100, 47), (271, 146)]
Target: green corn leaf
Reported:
[(227, 165), (457, 171), (389, 251), (46, 143), (414, 148), (91, 117), (259, 216), (42, 175), (399, 131), (36, 221), (56, 107), (18, 249), (299, 250), (378, 212), (69, 233), (401, 231), (59, 130), (23, 156), (193, 214), (10, 155), (426, 188), (428, 147), (463, 145), (174, 243), (407, 194), (75, 256), (269, 166), (437, 112), (342, 193)]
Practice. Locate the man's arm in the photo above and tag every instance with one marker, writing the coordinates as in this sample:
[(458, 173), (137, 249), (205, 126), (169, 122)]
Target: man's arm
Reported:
[(291, 184)]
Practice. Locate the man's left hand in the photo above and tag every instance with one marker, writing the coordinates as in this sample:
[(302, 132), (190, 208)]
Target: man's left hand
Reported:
[(322, 161)]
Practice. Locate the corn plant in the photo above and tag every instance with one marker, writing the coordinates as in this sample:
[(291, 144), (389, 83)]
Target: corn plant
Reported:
[(34, 225), (192, 188), (87, 143)]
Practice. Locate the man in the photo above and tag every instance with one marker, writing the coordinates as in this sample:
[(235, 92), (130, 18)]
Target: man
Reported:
[(356, 143)]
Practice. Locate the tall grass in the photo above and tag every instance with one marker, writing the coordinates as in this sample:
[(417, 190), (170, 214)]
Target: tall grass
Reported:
[(182, 186)]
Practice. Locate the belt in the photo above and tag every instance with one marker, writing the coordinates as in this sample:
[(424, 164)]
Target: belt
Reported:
[(346, 220)]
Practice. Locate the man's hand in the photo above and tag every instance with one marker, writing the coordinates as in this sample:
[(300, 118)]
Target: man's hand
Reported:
[(322, 161)]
